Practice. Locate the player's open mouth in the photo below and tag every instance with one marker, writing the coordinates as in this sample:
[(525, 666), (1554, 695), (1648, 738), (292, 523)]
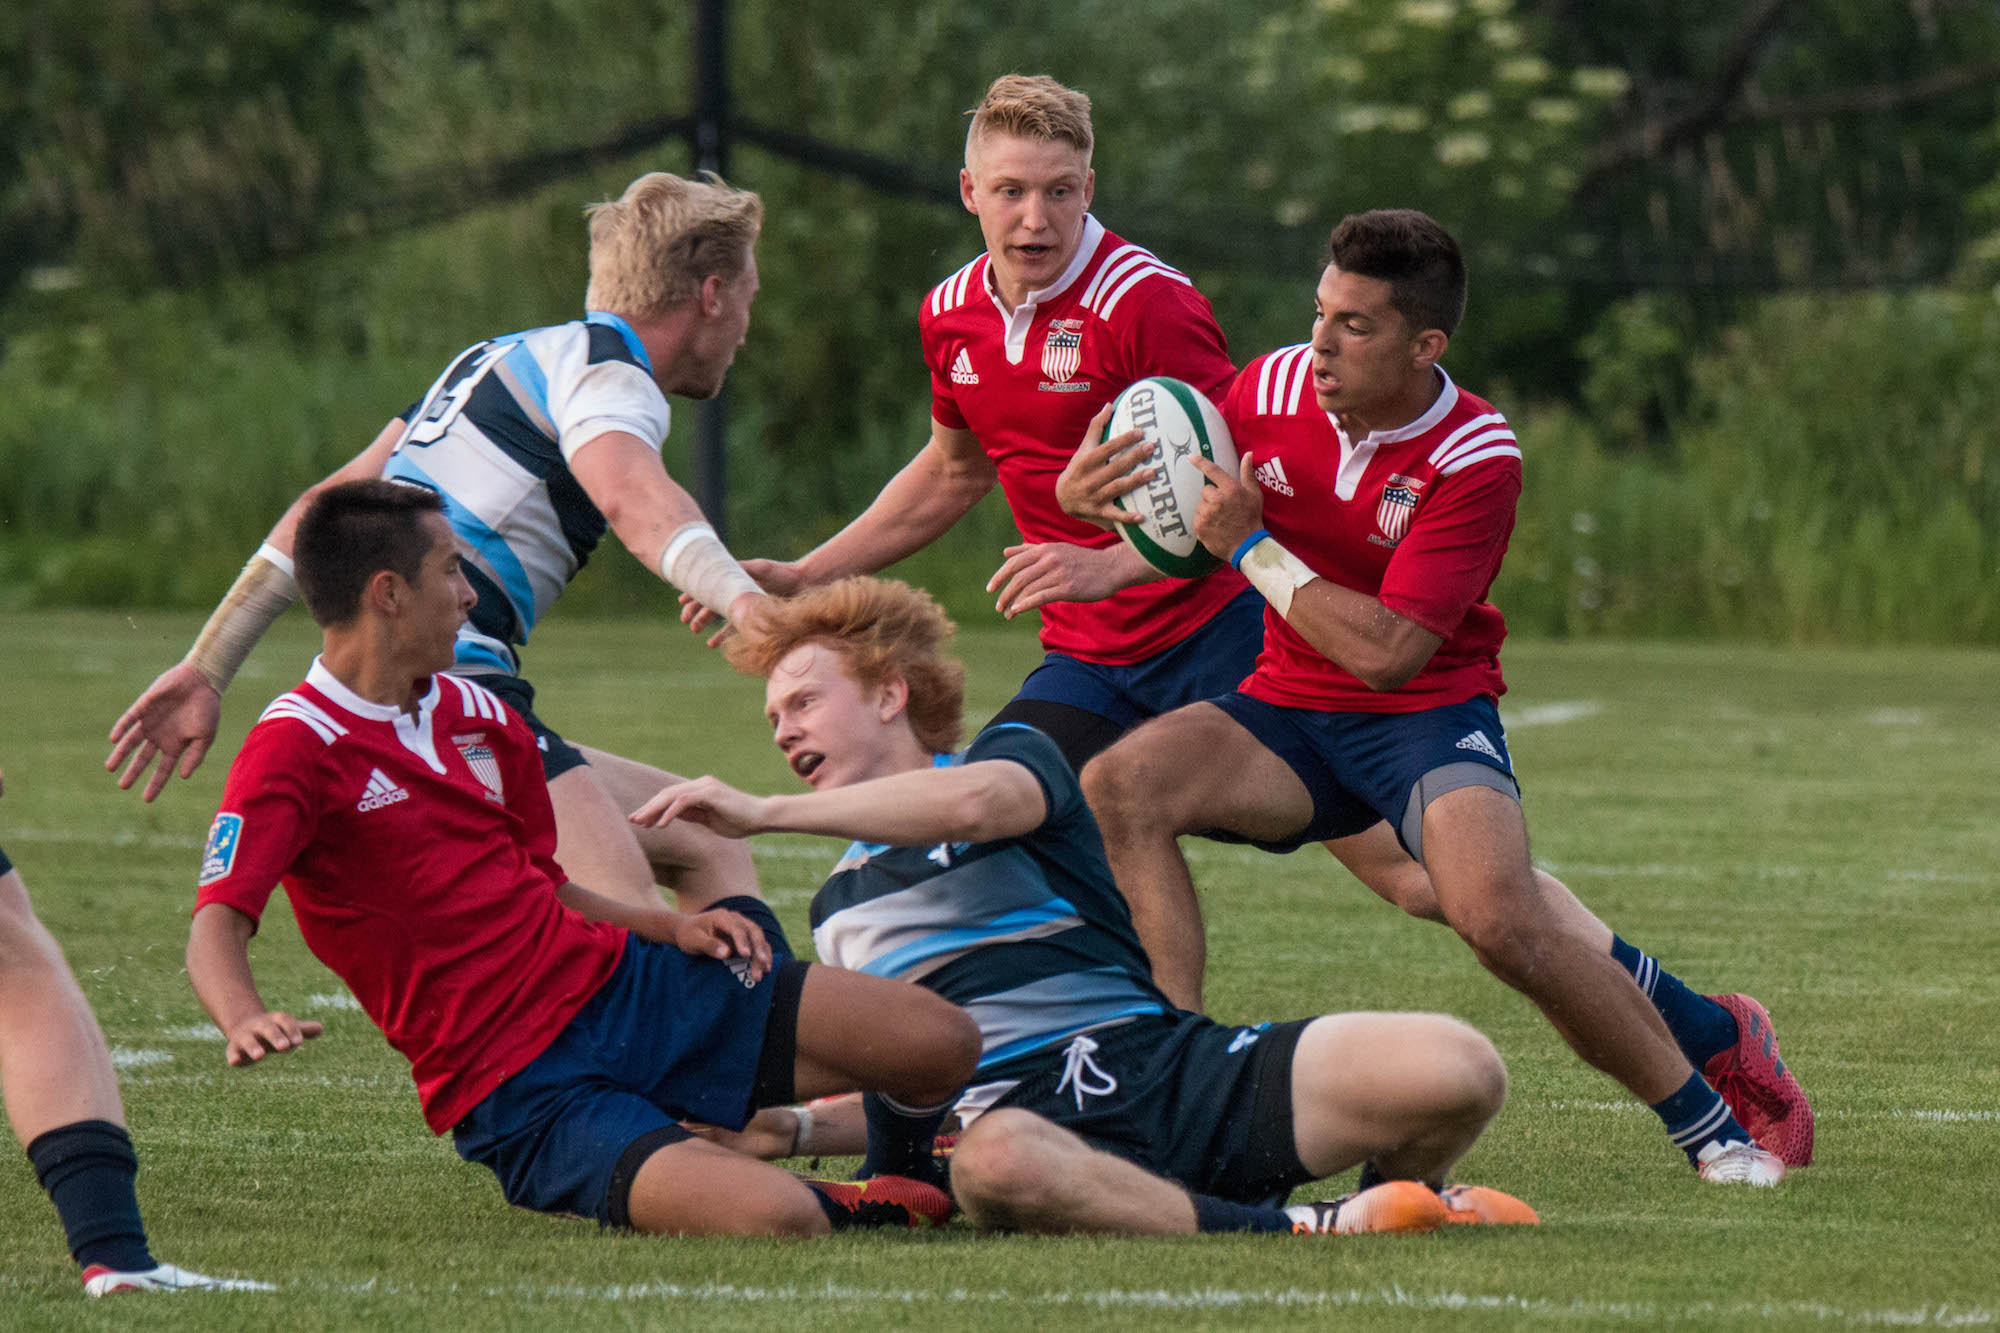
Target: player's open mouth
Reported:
[(1032, 251), (1325, 383), (805, 761)]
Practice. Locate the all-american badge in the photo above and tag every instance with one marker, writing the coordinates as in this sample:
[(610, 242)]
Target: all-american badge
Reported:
[(479, 758), (1063, 351), (1399, 501), (219, 857)]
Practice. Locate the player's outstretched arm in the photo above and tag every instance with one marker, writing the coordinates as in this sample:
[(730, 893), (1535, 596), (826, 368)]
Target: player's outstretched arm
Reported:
[(176, 718), (975, 802), (1101, 470), (1383, 650), (1037, 573), (717, 933), (661, 525), (218, 963), (931, 492)]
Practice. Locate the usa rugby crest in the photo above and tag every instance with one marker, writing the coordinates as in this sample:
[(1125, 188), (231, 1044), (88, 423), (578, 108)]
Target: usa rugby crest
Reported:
[(1062, 352), (479, 758), (1399, 501)]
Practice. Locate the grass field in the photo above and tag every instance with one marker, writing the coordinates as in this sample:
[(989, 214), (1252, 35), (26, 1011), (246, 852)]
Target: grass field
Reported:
[(1816, 826)]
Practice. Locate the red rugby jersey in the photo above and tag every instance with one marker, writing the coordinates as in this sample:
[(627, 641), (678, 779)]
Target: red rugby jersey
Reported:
[(1028, 384), (419, 858), (1418, 517)]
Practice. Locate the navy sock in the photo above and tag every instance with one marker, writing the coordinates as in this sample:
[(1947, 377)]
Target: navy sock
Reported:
[(899, 1139), (1213, 1214), (1696, 1117), (1702, 1028), (88, 1169)]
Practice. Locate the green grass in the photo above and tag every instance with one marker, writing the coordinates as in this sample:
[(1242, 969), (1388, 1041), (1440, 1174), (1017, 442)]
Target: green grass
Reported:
[(1815, 826)]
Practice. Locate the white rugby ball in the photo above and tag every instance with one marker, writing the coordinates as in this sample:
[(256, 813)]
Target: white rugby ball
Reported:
[(1181, 424)]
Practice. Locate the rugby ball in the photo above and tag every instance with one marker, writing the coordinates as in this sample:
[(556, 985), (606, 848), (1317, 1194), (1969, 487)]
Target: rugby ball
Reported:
[(1180, 422)]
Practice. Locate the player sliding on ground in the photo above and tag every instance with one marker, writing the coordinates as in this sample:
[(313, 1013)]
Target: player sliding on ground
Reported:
[(62, 1100), (538, 441), (979, 875), (560, 1036), (1373, 506)]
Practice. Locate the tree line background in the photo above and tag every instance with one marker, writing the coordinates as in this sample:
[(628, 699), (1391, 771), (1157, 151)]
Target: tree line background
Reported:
[(1733, 264)]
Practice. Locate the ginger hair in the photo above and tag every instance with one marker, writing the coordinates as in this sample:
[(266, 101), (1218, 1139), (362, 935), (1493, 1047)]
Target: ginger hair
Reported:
[(883, 629)]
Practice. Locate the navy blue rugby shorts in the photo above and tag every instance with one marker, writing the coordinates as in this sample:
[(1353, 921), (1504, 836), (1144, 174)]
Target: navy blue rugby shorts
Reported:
[(1364, 767), (558, 755), (668, 1037)]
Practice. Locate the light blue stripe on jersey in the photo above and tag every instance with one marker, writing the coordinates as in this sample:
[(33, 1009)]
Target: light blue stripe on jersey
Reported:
[(1027, 1018), (1044, 918), (528, 372), (491, 548)]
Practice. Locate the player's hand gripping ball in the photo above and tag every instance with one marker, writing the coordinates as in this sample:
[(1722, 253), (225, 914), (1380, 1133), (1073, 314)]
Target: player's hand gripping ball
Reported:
[(1182, 425)]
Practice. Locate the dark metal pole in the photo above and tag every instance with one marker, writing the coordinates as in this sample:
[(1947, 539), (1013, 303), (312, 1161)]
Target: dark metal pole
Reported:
[(711, 153)]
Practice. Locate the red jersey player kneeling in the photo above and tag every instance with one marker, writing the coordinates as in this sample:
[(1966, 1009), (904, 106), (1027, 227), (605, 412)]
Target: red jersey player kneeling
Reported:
[(560, 1036)]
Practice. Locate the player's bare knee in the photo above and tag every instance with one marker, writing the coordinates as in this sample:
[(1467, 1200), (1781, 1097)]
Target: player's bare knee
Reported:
[(1475, 1068), (1002, 1169), (25, 944)]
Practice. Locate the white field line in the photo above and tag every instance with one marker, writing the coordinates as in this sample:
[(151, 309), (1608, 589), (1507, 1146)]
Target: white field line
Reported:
[(125, 1057), (1648, 1313), (1549, 715), (1922, 1117)]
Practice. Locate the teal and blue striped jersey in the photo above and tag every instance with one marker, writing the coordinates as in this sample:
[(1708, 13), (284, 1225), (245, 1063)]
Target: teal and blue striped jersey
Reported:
[(1028, 934), (494, 437)]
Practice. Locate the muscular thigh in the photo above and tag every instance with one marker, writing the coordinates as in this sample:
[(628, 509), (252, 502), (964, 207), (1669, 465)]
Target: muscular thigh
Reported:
[(1208, 772), (629, 784)]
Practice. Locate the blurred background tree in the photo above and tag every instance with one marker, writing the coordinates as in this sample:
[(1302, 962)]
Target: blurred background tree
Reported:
[(1729, 260)]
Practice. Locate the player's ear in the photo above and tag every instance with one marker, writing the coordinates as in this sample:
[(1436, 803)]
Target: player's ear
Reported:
[(711, 295), (1427, 347), (386, 592), (966, 193), (1089, 187), (892, 697)]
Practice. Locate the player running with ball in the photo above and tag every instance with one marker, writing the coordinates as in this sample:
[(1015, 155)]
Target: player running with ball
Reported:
[(979, 875), (1373, 507), (558, 1035)]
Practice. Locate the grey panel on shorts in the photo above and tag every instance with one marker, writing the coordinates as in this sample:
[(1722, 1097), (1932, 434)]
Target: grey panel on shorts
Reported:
[(1449, 777)]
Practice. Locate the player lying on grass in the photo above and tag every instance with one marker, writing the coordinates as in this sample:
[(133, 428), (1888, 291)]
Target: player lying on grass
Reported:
[(559, 1035), (538, 441), (62, 1100), (1372, 512), (979, 875)]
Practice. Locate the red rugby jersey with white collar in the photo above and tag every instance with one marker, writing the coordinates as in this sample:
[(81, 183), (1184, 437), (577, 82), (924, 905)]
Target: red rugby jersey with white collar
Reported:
[(1417, 517), (1027, 385), (419, 856)]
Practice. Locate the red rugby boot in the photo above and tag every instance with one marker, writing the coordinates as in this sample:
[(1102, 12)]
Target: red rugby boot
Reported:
[(1762, 1093)]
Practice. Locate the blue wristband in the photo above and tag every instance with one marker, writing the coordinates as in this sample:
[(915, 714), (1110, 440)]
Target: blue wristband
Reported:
[(1236, 557)]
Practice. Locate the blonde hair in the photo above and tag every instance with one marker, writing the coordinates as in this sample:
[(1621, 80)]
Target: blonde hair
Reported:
[(651, 248), (883, 629), (1032, 106)]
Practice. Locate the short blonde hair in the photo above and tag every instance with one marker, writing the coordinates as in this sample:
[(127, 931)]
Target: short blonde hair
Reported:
[(1032, 106), (883, 629), (652, 247)]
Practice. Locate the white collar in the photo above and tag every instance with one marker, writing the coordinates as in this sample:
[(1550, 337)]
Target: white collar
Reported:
[(330, 685), (1439, 409)]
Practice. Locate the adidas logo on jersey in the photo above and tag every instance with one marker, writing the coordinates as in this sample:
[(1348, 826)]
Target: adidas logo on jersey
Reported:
[(1478, 743), (1271, 473), (380, 792), (962, 371)]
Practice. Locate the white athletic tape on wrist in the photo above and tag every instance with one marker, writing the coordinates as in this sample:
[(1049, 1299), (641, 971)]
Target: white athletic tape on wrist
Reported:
[(258, 597), (697, 563), (1272, 570)]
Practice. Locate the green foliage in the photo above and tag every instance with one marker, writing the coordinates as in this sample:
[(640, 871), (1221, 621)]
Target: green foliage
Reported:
[(1834, 480)]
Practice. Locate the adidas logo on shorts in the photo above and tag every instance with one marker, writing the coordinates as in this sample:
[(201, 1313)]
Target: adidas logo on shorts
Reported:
[(1478, 743), (380, 792), (962, 371)]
